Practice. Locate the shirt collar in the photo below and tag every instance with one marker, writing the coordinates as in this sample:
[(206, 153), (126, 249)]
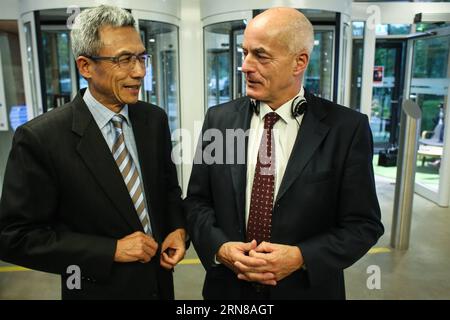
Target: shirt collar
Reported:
[(283, 111), (102, 115)]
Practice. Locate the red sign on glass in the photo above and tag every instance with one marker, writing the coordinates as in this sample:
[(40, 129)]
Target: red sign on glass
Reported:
[(378, 72)]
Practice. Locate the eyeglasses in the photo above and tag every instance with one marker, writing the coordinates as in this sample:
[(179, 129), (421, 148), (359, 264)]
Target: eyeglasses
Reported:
[(125, 61)]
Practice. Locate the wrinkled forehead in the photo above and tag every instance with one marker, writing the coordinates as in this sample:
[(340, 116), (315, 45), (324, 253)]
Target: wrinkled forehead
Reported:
[(120, 39)]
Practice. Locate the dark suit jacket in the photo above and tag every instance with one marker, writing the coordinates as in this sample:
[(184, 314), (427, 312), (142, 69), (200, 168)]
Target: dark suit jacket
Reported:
[(326, 205), (65, 203)]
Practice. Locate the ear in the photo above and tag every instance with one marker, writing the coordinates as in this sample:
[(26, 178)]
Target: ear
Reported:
[(84, 67), (301, 62)]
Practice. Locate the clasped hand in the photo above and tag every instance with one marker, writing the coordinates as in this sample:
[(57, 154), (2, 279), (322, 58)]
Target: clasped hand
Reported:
[(266, 263)]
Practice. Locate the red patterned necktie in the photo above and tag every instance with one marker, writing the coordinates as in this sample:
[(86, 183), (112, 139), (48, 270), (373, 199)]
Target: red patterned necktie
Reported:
[(261, 203)]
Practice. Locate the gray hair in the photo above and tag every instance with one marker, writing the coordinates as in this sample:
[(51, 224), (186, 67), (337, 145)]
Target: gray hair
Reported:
[(85, 35)]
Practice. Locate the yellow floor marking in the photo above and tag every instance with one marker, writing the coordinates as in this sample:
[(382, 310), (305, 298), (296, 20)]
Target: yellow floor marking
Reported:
[(190, 261), (377, 250), (13, 269)]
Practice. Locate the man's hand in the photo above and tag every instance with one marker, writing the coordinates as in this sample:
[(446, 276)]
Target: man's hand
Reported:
[(281, 261), (235, 254), (135, 247), (173, 249)]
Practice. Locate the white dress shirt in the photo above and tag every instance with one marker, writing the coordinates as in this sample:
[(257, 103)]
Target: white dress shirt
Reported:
[(284, 133)]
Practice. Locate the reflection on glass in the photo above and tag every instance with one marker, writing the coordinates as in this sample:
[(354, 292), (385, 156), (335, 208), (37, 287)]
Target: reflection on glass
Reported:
[(31, 66), (239, 78), (223, 61), (383, 90), (224, 57), (429, 88), (358, 28), (356, 70), (57, 59), (319, 75), (346, 38), (12, 97), (160, 85)]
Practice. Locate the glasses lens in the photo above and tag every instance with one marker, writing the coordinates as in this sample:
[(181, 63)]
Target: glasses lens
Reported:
[(129, 60), (125, 61), (143, 59)]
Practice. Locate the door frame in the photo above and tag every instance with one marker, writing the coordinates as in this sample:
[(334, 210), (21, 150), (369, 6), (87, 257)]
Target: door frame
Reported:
[(31, 72), (399, 74), (442, 196)]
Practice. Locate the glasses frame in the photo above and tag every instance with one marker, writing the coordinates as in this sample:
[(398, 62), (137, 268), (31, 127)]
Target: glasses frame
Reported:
[(115, 59)]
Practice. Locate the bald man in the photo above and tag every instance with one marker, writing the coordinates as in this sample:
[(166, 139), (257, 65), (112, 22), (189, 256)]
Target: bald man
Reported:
[(284, 222)]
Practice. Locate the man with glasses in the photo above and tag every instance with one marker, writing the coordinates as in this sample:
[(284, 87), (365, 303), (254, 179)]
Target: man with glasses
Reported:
[(90, 190)]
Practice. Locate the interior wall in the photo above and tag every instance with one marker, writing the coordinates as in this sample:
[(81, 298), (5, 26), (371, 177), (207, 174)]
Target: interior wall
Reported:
[(191, 82)]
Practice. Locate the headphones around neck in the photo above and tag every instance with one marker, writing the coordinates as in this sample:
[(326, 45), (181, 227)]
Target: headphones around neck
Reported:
[(298, 106)]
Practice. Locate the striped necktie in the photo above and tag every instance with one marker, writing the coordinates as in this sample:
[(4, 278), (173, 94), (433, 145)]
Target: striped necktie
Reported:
[(129, 172)]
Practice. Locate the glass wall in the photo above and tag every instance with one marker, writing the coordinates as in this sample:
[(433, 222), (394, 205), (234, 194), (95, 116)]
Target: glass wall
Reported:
[(224, 80), (58, 67), (161, 86), (319, 75), (357, 64), (356, 71), (31, 65), (12, 96), (386, 96)]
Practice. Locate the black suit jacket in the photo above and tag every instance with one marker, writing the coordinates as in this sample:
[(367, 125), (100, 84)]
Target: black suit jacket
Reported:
[(326, 205), (65, 203)]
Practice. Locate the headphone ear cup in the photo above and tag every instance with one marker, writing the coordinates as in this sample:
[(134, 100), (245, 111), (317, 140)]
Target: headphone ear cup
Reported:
[(255, 106), (300, 108)]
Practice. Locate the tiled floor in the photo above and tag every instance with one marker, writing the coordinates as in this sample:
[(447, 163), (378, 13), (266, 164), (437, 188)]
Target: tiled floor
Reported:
[(422, 272)]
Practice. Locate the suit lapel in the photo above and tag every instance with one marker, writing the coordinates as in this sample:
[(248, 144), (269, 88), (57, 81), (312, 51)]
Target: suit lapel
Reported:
[(242, 117), (95, 153), (311, 134)]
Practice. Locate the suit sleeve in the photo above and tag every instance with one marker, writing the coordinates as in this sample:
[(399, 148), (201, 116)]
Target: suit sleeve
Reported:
[(174, 201), (206, 236), (30, 234), (358, 225)]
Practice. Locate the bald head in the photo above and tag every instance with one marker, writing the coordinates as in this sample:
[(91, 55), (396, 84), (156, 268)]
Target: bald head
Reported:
[(289, 26)]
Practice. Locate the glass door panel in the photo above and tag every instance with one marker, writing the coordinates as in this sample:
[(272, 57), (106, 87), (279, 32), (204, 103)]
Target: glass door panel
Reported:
[(13, 111), (238, 58), (319, 75), (27, 32), (429, 88), (356, 70), (384, 116), (59, 67), (161, 83), (224, 80)]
